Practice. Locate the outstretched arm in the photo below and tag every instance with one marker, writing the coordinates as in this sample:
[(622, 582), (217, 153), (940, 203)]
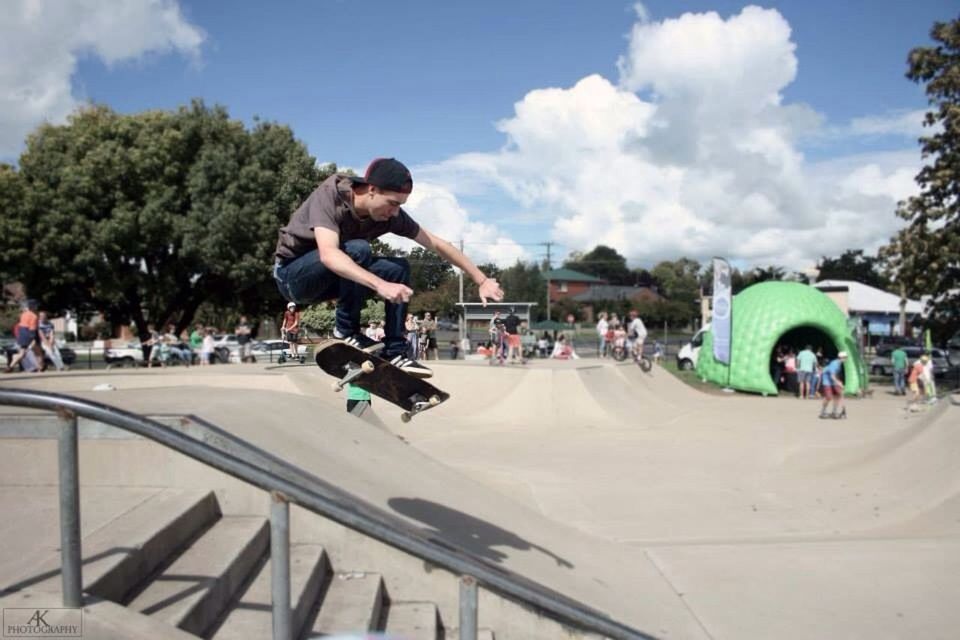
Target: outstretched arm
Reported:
[(489, 287)]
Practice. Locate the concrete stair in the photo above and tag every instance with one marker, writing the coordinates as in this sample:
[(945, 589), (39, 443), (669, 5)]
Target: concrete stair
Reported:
[(194, 591), (251, 616), (412, 620), (352, 604), (174, 566), (116, 557)]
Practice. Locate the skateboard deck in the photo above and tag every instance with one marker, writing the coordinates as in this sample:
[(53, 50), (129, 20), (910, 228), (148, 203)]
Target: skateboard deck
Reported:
[(376, 375)]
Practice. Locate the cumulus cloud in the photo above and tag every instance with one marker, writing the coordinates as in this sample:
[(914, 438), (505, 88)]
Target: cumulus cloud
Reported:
[(906, 123), (41, 41), (437, 209), (692, 152)]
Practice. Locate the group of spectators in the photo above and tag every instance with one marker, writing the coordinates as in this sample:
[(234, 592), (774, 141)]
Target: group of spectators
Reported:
[(807, 373), (35, 341), (421, 336), (920, 377), (169, 347), (612, 333), (199, 347), (801, 372)]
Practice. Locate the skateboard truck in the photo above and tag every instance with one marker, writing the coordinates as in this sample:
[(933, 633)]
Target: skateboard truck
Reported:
[(354, 371), (419, 404)]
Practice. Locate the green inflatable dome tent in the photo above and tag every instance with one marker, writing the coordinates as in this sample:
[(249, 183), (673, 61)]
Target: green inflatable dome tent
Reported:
[(771, 313)]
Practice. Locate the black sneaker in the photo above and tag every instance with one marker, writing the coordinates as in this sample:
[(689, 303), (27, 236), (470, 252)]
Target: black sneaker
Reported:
[(360, 341), (410, 366)]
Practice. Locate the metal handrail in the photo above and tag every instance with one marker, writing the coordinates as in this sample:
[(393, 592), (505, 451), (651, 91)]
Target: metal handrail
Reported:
[(287, 483)]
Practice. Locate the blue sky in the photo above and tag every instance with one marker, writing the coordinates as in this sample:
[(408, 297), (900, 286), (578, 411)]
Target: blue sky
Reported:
[(771, 134)]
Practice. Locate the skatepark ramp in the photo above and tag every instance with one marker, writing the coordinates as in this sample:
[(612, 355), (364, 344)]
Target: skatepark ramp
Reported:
[(167, 576)]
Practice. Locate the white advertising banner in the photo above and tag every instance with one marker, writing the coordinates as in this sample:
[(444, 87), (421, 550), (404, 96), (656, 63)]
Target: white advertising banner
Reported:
[(722, 306)]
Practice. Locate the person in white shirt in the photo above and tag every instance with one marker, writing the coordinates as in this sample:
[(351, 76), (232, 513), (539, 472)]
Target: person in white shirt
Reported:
[(602, 327), (636, 332)]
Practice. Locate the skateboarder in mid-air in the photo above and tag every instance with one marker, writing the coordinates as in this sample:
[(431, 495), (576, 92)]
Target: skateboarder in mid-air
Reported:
[(324, 253)]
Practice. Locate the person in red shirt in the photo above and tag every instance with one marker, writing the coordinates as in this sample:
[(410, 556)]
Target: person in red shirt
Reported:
[(291, 328), (25, 333)]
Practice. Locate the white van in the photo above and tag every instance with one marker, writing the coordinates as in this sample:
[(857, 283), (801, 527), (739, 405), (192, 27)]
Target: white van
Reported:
[(687, 356)]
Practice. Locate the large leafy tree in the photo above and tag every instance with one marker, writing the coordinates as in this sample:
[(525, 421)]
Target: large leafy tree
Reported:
[(428, 271), (145, 217), (679, 282), (925, 256), (603, 262), (852, 264), (524, 282)]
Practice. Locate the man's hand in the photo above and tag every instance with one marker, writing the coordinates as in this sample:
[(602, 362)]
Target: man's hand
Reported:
[(395, 292), (490, 289)]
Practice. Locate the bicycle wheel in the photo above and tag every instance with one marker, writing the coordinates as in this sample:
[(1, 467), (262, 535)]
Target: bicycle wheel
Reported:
[(619, 354), (645, 364)]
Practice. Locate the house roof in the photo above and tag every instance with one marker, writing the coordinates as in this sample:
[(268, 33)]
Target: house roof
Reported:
[(569, 275), (863, 298), (612, 292)]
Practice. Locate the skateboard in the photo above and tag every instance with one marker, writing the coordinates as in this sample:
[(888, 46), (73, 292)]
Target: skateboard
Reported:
[(369, 371)]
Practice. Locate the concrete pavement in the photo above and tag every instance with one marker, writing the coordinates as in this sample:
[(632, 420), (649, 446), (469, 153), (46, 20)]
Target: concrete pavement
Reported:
[(684, 514)]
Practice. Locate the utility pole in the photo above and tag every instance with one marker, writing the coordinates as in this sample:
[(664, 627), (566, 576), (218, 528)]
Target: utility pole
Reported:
[(549, 268), (463, 312)]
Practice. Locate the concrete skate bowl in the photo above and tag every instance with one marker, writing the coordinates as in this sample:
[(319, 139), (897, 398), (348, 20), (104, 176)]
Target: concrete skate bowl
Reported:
[(572, 393), (890, 475), (379, 469)]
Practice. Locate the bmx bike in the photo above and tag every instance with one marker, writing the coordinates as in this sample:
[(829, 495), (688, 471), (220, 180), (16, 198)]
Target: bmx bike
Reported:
[(622, 352)]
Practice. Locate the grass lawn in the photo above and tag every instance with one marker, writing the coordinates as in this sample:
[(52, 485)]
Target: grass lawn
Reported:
[(690, 377)]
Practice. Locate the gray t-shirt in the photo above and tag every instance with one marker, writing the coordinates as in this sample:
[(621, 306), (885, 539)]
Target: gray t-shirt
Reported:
[(329, 207)]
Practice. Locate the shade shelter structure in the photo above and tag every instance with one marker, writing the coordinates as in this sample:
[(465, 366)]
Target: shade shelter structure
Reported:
[(773, 313)]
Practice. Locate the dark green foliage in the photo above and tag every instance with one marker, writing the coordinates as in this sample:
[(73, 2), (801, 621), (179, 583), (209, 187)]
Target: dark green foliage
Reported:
[(148, 216), (925, 256), (853, 265), (602, 262)]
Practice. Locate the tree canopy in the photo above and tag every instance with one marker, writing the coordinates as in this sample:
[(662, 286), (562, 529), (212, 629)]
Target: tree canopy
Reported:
[(145, 217), (852, 264), (603, 262), (925, 256)]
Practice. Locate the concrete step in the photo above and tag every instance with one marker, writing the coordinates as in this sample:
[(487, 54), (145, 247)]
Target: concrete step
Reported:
[(251, 616), (412, 620), (482, 634), (100, 619), (118, 556), (194, 591), (352, 604)]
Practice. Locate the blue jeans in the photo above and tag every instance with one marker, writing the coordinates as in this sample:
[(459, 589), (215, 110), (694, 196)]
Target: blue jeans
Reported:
[(306, 280), (900, 380)]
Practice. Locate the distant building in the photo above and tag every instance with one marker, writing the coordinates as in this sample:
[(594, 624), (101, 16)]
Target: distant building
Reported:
[(588, 290), (566, 283), (877, 310)]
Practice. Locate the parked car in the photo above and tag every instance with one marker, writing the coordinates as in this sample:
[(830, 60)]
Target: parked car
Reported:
[(270, 346), (883, 366), (447, 325), (888, 343), (127, 355), (953, 344), (227, 348)]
